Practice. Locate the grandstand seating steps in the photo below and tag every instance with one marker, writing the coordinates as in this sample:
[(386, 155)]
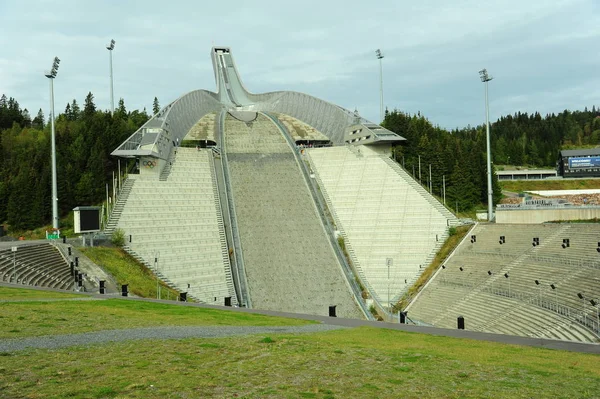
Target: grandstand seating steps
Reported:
[(38, 265), (300, 130), (377, 208), (204, 129), (475, 293), (180, 217)]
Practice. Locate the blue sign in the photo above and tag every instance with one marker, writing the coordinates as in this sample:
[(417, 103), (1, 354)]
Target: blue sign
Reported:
[(592, 162)]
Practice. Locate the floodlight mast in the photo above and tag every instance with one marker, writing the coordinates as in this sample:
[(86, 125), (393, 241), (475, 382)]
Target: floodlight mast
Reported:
[(380, 57), (51, 75), (110, 48), (485, 78)]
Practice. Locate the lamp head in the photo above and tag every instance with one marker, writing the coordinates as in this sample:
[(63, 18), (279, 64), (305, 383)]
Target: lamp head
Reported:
[(483, 74), (111, 45), (54, 70), (378, 54)]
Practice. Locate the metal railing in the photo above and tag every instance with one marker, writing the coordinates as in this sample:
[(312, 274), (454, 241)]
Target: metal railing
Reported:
[(238, 256)]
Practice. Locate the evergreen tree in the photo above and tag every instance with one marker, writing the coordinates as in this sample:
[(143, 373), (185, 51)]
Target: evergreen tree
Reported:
[(155, 106), (75, 111), (26, 118), (121, 111), (89, 108), (39, 121), (68, 112)]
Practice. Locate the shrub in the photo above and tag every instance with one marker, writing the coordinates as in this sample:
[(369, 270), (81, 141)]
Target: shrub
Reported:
[(118, 238), (452, 231)]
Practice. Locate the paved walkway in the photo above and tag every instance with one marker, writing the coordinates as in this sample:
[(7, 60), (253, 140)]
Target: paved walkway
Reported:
[(134, 334)]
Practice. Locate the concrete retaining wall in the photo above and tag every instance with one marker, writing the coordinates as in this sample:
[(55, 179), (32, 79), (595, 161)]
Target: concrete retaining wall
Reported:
[(541, 215)]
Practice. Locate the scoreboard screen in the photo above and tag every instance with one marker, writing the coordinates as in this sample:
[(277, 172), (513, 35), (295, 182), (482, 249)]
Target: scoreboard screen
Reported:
[(87, 219)]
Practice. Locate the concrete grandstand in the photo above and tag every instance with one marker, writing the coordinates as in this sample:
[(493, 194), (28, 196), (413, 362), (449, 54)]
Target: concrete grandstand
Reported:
[(277, 201), (539, 281)]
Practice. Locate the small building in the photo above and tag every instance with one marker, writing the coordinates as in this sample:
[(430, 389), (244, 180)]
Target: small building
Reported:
[(579, 163), (526, 174)]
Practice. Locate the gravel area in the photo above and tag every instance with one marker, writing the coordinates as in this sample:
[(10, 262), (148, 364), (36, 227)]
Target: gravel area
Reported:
[(101, 337)]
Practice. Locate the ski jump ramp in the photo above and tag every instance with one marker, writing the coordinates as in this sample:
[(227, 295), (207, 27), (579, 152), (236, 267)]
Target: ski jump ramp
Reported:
[(261, 146)]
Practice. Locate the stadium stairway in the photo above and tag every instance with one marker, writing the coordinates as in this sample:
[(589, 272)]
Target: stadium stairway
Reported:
[(381, 213), (175, 228), (113, 221), (289, 261), (164, 175)]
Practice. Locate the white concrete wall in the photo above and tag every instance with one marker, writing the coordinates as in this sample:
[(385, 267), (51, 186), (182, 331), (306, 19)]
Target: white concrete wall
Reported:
[(541, 215)]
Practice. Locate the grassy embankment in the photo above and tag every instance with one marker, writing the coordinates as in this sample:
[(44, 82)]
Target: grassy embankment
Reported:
[(451, 243), (28, 315), (358, 363), (127, 270)]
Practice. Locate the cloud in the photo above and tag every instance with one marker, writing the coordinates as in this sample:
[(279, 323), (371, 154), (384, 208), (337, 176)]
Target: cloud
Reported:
[(540, 52)]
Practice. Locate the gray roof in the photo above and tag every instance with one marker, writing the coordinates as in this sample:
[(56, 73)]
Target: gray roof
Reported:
[(156, 138), (580, 153)]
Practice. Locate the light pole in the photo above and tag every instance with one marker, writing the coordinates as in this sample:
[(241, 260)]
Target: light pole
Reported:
[(388, 262), (508, 279), (555, 295), (110, 48), (14, 251), (582, 297), (156, 255), (51, 75), (485, 78), (380, 57), (444, 190), (594, 303)]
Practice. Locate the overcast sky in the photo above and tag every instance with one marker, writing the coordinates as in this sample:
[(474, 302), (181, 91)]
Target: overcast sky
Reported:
[(543, 54)]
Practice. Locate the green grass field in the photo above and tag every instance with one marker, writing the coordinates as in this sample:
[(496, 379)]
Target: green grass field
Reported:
[(535, 185), (15, 294), (355, 363), (30, 318)]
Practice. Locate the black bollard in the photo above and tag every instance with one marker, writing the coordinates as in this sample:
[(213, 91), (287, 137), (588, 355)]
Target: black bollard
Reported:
[(124, 290), (461, 322), (403, 317), (332, 311), (102, 288)]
